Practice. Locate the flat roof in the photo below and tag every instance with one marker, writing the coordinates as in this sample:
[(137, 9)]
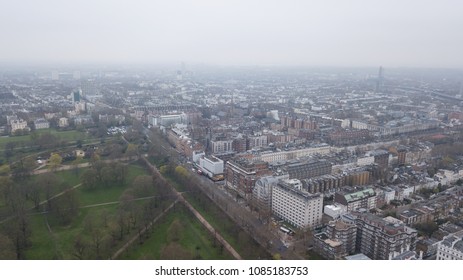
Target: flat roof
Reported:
[(358, 257)]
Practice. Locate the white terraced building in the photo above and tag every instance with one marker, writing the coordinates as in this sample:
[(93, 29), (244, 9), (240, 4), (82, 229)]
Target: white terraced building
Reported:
[(451, 247)]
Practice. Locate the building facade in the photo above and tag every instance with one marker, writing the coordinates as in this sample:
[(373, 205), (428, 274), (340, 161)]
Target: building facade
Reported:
[(295, 206), (451, 247), (337, 241), (242, 174), (354, 199), (381, 238), (308, 169), (41, 124)]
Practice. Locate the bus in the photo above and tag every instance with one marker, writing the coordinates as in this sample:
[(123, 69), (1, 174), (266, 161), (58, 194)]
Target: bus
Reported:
[(285, 230)]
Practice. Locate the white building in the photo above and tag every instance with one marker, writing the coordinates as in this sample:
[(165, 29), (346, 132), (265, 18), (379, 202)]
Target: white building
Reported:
[(41, 124), (366, 160), (345, 123), (168, 120), (262, 192), (211, 166), (257, 141), (80, 106), (334, 210), (447, 176), (296, 206), (197, 155), (451, 247), (222, 146), (17, 124), (388, 194), (273, 157), (63, 122)]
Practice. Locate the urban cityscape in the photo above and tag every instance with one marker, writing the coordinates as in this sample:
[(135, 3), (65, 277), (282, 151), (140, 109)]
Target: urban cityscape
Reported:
[(223, 139), (203, 162)]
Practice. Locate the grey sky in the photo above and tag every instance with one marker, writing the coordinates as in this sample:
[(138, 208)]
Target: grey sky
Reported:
[(415, 33)]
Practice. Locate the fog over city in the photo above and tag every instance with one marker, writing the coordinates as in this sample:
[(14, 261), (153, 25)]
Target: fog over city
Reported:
[(249, 130), (309, 33)]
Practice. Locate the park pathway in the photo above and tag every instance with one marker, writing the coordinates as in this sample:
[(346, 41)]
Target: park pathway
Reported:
[(133, 239), (198, 215)]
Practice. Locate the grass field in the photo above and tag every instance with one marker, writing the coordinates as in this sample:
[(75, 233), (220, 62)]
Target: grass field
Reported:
[(195, 239), (58, 243), (52, 241), (69, 135), (112, 193)]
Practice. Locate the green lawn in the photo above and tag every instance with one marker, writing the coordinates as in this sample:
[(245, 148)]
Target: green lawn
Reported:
[(195, 239), (69, 135), (111, 193), (71, 177), (59, 243)]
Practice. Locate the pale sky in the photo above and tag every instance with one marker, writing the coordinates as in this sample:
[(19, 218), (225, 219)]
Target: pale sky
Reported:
[(392, 33)]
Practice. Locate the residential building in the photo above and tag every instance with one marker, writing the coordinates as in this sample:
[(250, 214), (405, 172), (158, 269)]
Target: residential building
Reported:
[(262, 192), (221, 146), (381, 158), (381, 238), (242, 174), (451, 247), (41, 124), (354, 198), (337, 241), (18, 124), (63, 122), (257, 141), (308, 169), (326, 184), (295, 206)]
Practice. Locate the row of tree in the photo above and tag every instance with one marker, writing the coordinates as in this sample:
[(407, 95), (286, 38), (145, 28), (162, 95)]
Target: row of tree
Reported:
[(103, 175)]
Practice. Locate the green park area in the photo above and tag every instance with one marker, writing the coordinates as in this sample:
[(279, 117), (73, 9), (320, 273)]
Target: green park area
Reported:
[(13, 148), (66, 135), (178, 235), (84, 214), (62, 216)]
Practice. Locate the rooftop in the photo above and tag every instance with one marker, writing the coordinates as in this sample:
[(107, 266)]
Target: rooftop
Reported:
[(359, 195)]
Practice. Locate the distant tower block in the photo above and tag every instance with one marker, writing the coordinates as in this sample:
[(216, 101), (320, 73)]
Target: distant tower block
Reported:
[(76, 96), (379, 81)]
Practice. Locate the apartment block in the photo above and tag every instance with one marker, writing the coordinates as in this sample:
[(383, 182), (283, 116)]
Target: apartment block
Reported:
[(295, 206)]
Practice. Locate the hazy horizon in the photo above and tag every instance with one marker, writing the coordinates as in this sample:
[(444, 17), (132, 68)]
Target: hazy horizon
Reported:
[(333, 33)]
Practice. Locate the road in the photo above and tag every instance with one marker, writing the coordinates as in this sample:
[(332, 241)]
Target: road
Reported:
[(263, 233), (266, 236)]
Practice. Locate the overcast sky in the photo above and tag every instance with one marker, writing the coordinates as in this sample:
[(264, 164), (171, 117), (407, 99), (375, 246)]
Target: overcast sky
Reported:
[(410, 33)]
